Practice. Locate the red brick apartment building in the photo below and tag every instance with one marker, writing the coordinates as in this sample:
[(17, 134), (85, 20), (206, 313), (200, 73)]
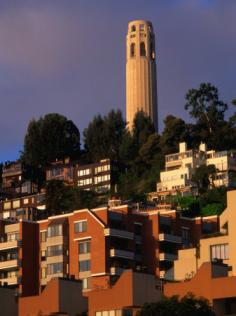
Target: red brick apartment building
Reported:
[(94, 246)]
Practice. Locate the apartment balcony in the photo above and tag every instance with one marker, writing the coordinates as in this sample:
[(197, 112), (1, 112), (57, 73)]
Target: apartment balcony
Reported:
[(10, 280), (9, 264), (170, 238), (11, 244), (118, 233), (55, 275), (167, 257), (55, 240), (122, 254), (116, 271), (55, 259)]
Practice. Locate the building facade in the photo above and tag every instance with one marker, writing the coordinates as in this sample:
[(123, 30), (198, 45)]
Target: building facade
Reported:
[(141, 82), (181, 166), (93, 176)]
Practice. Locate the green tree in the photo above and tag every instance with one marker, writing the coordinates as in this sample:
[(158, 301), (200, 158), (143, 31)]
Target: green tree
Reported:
[(208, 110), (63, 199), (205, 106), (49, 138), (175, 131), (204, 177), (103, 136), (142, 129), (188, 305)]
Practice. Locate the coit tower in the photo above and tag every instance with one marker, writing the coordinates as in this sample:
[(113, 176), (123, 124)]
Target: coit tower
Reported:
[(141, 82)]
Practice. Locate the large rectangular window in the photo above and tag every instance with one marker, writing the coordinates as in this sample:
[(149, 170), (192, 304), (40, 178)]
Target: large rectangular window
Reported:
[(54, 231), (220, 252), (84, 265), (43, 236), (80, 227), (84, 247), (54, 268), (54, 250)]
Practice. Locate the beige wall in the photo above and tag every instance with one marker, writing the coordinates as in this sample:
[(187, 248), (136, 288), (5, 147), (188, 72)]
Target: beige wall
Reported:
[(187, 263)]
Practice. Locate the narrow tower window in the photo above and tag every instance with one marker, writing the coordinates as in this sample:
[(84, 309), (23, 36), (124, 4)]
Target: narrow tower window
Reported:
[(152, 52), (133, 28), (141, 27), (142, 49), (132, 50)]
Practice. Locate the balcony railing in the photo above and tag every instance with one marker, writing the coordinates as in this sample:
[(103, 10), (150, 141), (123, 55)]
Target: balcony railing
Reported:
[(9, 280), (122, 254), (170, 238), (118, 233), (167, 256), (13, 263), (9, 244)]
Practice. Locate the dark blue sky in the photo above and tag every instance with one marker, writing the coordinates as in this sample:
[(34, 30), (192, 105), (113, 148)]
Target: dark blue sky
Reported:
[(69, 57)]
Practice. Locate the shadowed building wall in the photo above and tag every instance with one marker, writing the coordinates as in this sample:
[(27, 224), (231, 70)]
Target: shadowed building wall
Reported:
[(141, 83)]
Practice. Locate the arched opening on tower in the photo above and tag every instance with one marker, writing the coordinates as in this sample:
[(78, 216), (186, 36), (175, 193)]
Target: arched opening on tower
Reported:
[(132, 50), (142, 49), (133, 28)]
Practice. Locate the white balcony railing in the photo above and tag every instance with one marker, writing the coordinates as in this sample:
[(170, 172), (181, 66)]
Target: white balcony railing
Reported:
[(118, 233), (170, 238)]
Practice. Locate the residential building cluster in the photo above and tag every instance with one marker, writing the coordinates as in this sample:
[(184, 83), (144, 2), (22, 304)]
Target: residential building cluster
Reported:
[(101, 247), (181, 166)]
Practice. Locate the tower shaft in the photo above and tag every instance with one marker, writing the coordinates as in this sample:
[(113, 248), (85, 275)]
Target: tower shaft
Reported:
[(141, 82)]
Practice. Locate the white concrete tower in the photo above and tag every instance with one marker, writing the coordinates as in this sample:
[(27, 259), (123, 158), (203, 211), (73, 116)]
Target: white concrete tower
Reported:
[(141, 82)]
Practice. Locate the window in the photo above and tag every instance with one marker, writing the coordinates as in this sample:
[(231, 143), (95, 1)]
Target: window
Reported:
[(84, 265), (86, 283), (54, 231), (142, 49), (84, 247), (80, 227), (132, 50), (54, 268), (133, 28), (138, 229), (43, 273), (102, 168), (7, 205), (55, 172), (13, 236), (84, 172), (56, 250), (100, 179), (185, 236), (43, 236), (141, 27), (219, 252), (84, 182)]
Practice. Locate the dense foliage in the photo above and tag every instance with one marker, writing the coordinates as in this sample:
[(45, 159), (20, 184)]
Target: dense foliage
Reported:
[(63, 199), (188, 305), (49, 138), (137, 156)]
